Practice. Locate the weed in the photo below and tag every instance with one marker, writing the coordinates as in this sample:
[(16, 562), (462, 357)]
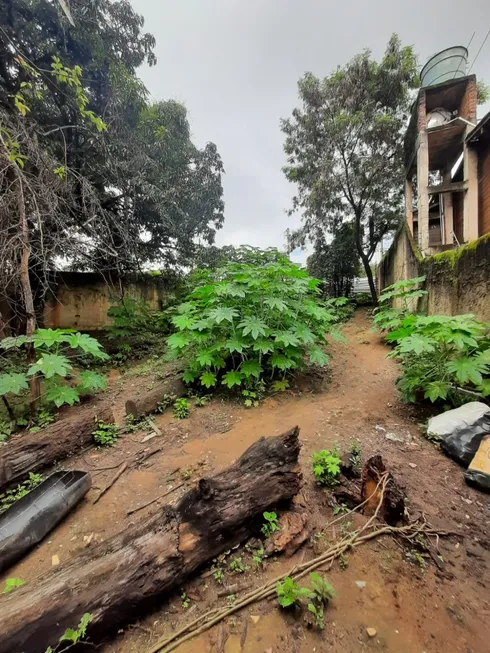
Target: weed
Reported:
[(326, 467), (290, 593), (317, 610), (355, 457), (322, 589), (258, 557), (186, 474), (165, 402), (270, 526), (230, 600), (105, 435), (250, 399), (199, 402), (182, 408), (341, 510), (10, 496), (11, 584), (237, 566), (244, 322), (73, 636), (219, 575), (6, 429), (185, 600), (343, 561), (133, 424)]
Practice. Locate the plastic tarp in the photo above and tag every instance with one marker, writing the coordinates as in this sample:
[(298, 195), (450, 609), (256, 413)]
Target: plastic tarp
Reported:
[(461, 430), (32, 517)]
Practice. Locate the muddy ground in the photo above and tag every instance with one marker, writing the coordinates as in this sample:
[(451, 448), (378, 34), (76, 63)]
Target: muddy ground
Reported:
[(413, 605)]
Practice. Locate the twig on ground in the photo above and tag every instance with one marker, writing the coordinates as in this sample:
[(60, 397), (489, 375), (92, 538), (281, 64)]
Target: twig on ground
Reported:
[(148, 503), (111, 482)]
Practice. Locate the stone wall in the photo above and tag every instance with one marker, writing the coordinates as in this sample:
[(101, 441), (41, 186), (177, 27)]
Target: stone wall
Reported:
[(80, 300), (458, 281)]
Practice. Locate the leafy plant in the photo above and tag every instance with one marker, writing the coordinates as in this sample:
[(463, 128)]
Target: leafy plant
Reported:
[(258, 557), (219, 575), (182, 408), (11, 584), (440, 354), (73, 636), (406, 295), (185, 600), (166, 401), (21, 490), (237, 565), (326, 467), (53, 348), (244, 323), (290, 593), (270, 526), (355, 457), (250, 398), (105, 435)]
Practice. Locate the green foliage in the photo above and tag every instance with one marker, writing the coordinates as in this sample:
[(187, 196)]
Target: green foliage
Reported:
[(185, 600), (73, 636), (182, 408), (290, 593), (326, 467), (258, 557), (405, 293), (129, 316), (439, 353), (11, 584), (355, 457), (243, 323), (335, 263), (21, 490), (344, 148), (270, 526), (53, 349), (166, 401), (219, 575), (105, 435), (238, 566)]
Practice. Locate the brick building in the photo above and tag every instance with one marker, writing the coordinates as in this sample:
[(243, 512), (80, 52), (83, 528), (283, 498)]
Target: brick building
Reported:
[(447, 157)]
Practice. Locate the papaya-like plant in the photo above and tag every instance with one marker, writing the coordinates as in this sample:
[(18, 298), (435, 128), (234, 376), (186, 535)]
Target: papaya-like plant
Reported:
[(247, 323)]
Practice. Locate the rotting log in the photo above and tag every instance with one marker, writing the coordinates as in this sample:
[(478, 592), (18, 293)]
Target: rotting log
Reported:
[(392, 509), (129, 573), (31, 452), (148, 401)]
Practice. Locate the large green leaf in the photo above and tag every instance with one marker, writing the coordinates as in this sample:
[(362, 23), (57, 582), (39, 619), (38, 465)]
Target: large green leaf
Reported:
[(318, 357), (189, 376), (287, 338), (467, 369), (92, 380), (231, 379), (222, 313), (253, 326), (436, 390), (484, 387), (178, 340), (184, 321), (234, 344), (49, 337), (49, 365), (208, 379), (11, 342), (282, 362), (264, 346), (87, 344), (204, 358), (276, 303), (304, 334), (251, 368), (62, 394), (416, 344), (13, 382)]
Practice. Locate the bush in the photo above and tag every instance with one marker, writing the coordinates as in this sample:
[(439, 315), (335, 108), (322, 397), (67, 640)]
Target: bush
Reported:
[(54, 349), (389, 319), (246, 323), (440, 354), (326, 467), (105, 435)]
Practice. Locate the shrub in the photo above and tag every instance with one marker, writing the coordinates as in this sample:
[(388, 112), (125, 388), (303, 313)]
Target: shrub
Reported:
[(440, 354), (270, 525), (182, 408), (244, 323), (326, 467), (105, 435), (389, 319), (53, 348), (289, 593)]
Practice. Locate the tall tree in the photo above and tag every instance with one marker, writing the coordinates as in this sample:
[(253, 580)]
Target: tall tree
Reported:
[(344, 148), (336, 263)]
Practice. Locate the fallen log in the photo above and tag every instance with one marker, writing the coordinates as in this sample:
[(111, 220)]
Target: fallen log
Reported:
[(391, 496), (129, 573), (148, 401), (31, 452)]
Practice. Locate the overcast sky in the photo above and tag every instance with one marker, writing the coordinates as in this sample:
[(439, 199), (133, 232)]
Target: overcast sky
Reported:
[(235, 65)]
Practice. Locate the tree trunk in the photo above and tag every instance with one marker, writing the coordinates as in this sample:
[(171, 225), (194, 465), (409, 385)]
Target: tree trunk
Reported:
[(369, 274), (30, 452), (25, 282), (148, 402), (135, 570)]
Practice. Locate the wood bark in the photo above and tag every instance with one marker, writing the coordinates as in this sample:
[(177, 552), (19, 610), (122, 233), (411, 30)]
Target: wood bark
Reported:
[(134, 570), (30, 452), (393, 506), (148, 402)]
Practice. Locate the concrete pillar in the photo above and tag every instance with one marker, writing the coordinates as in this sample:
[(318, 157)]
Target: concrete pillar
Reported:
[(409, 203), (422, 187), (470, 205), (447, 199)]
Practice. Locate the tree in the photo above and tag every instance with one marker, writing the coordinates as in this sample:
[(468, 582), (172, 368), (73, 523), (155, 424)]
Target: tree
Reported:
[(336, 263), (107, 184), (344, 148)]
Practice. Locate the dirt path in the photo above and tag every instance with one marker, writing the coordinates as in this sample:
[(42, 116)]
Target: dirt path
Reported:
[(413, 609)]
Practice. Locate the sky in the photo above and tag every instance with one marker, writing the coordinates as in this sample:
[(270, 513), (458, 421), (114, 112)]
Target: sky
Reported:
[(235, 65)]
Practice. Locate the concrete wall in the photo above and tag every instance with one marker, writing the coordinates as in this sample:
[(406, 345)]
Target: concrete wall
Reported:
[(484, 192), (458, 281), (80, 300)]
